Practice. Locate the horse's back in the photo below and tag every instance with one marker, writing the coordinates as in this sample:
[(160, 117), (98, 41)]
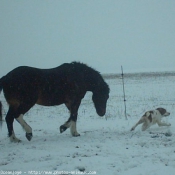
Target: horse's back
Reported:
[(21, 76), (42, 86), (19, 84)]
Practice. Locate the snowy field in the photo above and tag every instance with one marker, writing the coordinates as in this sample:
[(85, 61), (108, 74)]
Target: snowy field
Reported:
[(106, 145)]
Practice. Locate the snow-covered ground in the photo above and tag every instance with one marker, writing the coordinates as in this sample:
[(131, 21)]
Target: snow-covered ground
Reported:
[(106, 145)]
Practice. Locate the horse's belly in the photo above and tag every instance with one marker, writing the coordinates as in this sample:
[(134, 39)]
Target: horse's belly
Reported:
[(49, 101)]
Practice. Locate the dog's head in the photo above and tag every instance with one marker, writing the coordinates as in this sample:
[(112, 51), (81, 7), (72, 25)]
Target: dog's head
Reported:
[(163, 112)]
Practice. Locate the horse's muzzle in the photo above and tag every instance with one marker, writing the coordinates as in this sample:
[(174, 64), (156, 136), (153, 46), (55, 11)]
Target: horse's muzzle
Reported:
[(101, 112)]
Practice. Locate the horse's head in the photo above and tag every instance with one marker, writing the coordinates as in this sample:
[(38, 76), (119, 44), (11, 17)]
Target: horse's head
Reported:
[(100, 100)]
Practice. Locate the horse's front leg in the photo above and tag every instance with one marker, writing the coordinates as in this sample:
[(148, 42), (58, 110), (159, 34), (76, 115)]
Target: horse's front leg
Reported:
[(73, 128), (65, 126), (71, 123)]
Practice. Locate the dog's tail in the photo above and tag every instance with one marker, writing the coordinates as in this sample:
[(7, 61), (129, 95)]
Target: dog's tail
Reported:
[(1, 87)]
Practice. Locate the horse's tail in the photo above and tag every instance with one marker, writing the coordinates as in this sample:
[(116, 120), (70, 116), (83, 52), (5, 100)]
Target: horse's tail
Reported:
[(1, 87), (0, 113)]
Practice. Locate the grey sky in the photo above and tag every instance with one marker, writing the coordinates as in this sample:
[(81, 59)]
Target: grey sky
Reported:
[(105, 34)]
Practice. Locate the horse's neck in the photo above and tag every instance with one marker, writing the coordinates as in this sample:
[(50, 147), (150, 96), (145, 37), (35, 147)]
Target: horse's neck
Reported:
[(92, 84)]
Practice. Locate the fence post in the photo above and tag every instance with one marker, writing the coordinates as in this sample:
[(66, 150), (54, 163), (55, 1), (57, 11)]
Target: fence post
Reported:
[(124, 92)]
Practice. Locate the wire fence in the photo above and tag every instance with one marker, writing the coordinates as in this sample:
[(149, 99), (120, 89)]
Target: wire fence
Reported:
[(142, 92)]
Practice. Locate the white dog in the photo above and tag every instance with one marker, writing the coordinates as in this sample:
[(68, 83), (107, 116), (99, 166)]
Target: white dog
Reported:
[(152, 117)]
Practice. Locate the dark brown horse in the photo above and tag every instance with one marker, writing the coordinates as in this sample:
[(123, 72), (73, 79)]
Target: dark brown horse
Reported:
[(67, 84)]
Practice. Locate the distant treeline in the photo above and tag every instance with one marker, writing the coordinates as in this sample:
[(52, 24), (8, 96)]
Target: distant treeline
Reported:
[(142, 74)]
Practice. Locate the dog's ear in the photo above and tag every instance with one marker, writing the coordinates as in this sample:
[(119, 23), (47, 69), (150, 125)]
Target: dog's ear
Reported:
[(161, 110)]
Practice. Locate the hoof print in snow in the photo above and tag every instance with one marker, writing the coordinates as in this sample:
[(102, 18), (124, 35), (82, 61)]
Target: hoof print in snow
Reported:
[(155, 136)]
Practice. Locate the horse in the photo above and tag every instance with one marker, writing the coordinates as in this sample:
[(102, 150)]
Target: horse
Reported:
[(25, 86)]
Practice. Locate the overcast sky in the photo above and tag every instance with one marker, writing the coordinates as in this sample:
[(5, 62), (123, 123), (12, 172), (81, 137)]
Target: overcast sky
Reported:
[(105, 34)]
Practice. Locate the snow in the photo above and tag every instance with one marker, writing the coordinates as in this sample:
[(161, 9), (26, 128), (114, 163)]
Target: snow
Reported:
[(106, 144)]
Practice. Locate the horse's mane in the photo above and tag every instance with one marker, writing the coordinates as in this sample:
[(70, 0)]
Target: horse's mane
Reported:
[(92, 74), (85, 67)]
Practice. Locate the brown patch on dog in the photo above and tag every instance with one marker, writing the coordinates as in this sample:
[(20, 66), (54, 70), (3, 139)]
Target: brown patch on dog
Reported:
[(150, 118), (161, 110), (151, 112)]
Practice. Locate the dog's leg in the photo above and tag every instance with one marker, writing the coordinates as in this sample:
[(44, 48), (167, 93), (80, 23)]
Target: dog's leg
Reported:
[(145, 126), (138, 123), (163, 124)]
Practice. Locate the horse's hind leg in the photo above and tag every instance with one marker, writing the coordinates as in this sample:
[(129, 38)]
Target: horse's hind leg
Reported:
[(22, 109), (9, 120), (25, 126)]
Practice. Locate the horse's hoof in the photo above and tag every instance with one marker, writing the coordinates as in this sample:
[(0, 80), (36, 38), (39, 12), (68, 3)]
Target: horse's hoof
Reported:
[(62, 128), (29, 136), (15, 140)]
